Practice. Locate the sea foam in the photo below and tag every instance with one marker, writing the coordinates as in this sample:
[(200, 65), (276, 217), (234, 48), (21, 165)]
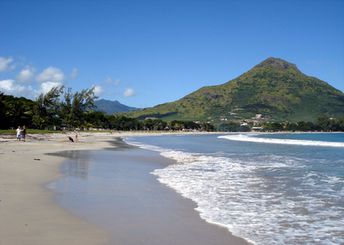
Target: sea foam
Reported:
[(247, 138), (250, 195)]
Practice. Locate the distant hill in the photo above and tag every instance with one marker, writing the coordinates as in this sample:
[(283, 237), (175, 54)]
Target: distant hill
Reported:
[(110, 107), (274, 88)]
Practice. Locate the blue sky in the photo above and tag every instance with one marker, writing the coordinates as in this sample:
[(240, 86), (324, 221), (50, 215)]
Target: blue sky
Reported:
[(143, 53)]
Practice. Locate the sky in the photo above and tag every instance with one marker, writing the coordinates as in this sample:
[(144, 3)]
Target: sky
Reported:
[(144, 53)]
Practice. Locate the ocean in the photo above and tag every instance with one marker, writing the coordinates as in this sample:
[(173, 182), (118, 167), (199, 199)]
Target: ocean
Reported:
[(266, 188)]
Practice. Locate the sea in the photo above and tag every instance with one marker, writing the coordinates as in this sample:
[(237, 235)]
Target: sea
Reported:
[(267, 188)]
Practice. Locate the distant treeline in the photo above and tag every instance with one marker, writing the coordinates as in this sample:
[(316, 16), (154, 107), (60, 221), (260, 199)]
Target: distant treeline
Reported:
[(60, 108)]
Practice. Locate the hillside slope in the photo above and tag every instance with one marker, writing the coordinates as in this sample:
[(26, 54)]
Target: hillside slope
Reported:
[(110, 107), (274, 88)]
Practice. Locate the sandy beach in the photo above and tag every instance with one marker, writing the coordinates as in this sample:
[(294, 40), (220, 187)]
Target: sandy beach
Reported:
[(31, 215)]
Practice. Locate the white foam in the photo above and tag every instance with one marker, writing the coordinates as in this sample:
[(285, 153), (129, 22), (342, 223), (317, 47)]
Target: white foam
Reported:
[(247, 138), (230, 191), (235, 197)]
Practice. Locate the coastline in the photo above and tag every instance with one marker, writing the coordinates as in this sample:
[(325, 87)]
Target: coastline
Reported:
[(30, 214)]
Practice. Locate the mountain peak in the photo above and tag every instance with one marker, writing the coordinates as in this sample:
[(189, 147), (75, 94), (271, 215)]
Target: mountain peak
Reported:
[(110, 107), (274, 88), (277, 63)]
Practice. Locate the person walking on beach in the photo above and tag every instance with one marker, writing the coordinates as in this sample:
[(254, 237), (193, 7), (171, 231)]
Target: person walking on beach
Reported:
[(23, 133), (18, 131)]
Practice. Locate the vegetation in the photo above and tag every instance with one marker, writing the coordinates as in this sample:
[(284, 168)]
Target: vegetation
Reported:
[(29, 131), (63, 109), (274, 88), (15, 111), (233, 127), (323, 124)]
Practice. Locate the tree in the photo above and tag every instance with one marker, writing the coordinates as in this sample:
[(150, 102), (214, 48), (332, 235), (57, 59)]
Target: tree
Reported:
[(96, 119), (2, 111), (15, 111), (324, 123), (229, 127), (66, 108), (154, 124), (273, 126), (47, 108), (75, 106)]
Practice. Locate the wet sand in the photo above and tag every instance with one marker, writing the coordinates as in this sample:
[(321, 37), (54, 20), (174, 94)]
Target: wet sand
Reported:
[(29, 214), (115, 190)]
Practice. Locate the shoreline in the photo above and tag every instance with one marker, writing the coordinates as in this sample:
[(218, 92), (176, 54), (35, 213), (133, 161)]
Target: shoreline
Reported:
[(30, 214), (138, 208), (61, 136)]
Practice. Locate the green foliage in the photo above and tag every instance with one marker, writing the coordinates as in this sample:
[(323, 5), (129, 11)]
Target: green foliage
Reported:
[(46, 108), (15, 111), (274, 126), (75, 106), (125, 123), (330, 124), (48, 111), (233, 127), (75, 110), (323, 124)]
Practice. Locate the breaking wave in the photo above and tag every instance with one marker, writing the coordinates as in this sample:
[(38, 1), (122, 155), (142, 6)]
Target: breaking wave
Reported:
[(266, 199), (247, 138)]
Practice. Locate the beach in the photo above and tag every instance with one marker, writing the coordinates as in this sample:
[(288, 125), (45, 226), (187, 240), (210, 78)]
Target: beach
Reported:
[(31, 213)]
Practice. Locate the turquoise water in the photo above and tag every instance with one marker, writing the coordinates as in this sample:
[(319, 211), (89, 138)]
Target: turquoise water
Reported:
[(269, 189)]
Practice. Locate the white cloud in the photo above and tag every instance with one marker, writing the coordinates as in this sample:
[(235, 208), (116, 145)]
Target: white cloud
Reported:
[(98, 90), (49, 78), (10, 87), (113, 82), (47, 86), (26, 74), (6, 84), (6, 64), (23, 84), (51, 74), (74, 74), (129, 92)]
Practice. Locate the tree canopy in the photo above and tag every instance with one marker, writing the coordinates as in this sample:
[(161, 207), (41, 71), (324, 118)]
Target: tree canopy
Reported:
[(62, 108)]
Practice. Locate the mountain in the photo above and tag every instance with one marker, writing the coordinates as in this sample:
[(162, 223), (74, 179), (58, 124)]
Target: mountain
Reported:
[(275, 88), (110, 107)]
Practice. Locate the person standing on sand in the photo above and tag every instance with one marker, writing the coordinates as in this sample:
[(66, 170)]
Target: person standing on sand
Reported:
[(18, 131), (76, 136), (23, 133)]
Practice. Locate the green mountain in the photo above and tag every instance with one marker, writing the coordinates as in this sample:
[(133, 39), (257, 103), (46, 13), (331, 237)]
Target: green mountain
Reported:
[(274, 88), (110, 107)]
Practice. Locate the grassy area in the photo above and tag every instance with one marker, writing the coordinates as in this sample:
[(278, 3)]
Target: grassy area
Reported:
[(29, 131)]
